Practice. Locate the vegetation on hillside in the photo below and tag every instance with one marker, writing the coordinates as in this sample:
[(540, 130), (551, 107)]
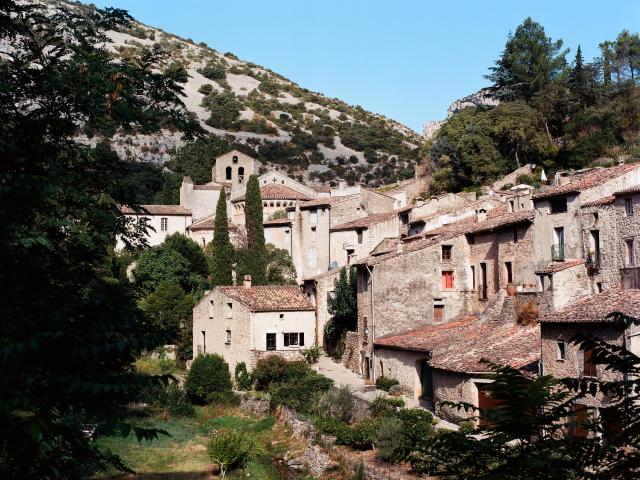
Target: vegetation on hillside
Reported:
[(551, 113)]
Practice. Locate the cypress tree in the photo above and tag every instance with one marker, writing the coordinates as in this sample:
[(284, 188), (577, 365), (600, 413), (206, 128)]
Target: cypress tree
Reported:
[(254, 261), (222, 261)]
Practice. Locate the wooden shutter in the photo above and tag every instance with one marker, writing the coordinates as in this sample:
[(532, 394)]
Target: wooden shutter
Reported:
[(438, 313), (589, 367), (286, 339), (301, 339)]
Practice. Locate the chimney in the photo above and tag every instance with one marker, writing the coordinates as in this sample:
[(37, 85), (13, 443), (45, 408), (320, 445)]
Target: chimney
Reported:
[(399, 247), (247, 281), (482, 215)]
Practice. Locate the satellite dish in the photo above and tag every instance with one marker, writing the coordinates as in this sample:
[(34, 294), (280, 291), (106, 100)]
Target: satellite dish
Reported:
[(333, 265)]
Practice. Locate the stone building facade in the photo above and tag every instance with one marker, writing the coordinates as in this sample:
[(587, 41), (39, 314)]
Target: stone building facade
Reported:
[(245, 323)]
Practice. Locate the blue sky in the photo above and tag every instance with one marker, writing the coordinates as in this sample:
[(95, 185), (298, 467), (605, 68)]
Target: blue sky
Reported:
[(406, 59)]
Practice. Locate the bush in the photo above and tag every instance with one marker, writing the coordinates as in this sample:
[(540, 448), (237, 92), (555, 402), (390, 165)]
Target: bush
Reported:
[(416, 425), (337, 403), (170, 398), (275, 369), (301, 394), (209, 373), (334, 427), (206, 89), (311, 355), (396, 390), (363, 433), (213, 71), (388, 439), (242, 377), (382, 406), (225, 398), (230, 449), (385, 383)]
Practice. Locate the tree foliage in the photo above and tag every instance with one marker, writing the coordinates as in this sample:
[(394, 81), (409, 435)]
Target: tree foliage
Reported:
[(222, 254), (70, 327), (166, 308), (280, 267), (253, 260), (342, 305)]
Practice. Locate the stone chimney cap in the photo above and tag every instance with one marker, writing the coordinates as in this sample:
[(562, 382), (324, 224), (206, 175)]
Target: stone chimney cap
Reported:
[(247, 281)]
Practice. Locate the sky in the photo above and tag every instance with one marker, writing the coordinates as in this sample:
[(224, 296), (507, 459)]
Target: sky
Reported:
[(405, 59)]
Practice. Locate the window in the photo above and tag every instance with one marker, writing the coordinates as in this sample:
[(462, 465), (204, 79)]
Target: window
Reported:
[(241, 174), (599, 286), (588, 366), (227, 173), (163, 224), (235, 159), (579, 421), (446, 253), (447, 280), (204, 342), (271, 341), (471, 239), (509, 271), (558, 205), (294, 339), (561, 351), (473, 277), (365, 329), (313, 216), (438, 312), (595, 217), (228, 341), (628, 206), (282, 316), (515, 235), (629, 253), (511, 205), (360, 235)]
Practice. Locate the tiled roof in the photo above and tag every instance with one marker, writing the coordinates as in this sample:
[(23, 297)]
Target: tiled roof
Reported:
[(586, 180), (208, 186), (275, 191), (156, 210), (324, 201), (364, 222), (596, 308), (459, 345), (559, 266), (628, 190), (387, 245), (496, 218), (600, 202), (269, 298), (276, 222), (321, 188), (207, 224)]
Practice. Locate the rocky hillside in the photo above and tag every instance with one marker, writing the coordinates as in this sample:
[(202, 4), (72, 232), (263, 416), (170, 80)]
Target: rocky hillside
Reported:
[(305, 133)]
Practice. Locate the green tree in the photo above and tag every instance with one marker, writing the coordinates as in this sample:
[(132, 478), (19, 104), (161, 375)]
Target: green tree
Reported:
[(280, 267), (252, 261), (578, 81), (222, 251), (529, 62), (158, 264), (343, 305), (190, 250), (70, 326), (166, 308)]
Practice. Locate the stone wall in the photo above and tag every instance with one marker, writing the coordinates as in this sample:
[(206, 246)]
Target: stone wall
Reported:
[(350, 354)]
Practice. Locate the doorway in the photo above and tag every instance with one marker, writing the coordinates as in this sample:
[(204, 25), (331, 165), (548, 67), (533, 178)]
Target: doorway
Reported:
[(426, 380), (483, 281)]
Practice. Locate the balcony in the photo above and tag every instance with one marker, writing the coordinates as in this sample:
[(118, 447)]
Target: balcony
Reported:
[(593, 261), (557, 252)]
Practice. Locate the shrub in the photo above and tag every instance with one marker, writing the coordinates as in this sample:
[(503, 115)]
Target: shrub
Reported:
[(268, 370), (527, 312), (334, 427), (225, 398), (363, 433), (416, 425), (213, 71), (385, 383), (206, 89), (302, 393), (209, 373), (506, 186), (170, 398), (395, 390), (230, 449), (388, 439), (382, 406), (311, 355), (337, 403), (242, 377)]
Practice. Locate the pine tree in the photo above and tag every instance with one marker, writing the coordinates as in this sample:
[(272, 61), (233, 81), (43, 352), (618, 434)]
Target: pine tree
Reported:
[(253, 261), (342, 305), (578, 81), (222, 258)]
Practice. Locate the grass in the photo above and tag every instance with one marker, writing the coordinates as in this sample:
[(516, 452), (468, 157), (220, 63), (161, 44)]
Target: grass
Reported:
[(183, 456)]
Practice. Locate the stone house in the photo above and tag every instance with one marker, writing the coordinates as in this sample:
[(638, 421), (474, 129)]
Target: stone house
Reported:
[(245, 323), (442, 363), (562, 359), (161, 221), (278, 233)]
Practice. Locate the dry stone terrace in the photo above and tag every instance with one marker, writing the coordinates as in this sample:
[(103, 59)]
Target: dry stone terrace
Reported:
[(441, 283)]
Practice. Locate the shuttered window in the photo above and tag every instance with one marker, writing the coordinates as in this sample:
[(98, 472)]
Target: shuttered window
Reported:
[(293, 339), (447, 279)]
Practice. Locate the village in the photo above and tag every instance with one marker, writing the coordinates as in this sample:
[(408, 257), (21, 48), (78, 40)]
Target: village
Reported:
[(443, 284)]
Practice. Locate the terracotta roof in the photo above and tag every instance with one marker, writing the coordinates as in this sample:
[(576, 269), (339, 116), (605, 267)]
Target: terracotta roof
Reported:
[(600, 202), (496, 218), (269, 298), (156, 210), (628, 190), (207, 224), (459, 345), (596, 308), (364, 222), (208, 186), (387, 245), (277, 222), (321, 188), (559, 266), (276, 191), (323, 201), (585, 180)]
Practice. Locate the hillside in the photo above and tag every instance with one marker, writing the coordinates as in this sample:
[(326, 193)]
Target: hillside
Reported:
[(311, 136)]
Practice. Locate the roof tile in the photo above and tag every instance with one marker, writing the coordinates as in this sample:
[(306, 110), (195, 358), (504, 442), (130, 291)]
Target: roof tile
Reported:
[(596, 308), (585, 180), (269, 298), (156, 210)]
